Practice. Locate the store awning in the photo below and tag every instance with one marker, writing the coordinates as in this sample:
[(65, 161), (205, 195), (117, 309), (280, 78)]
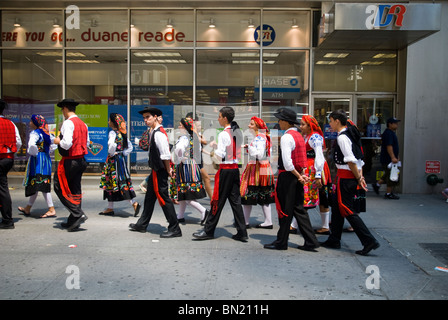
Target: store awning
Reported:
[(377, 26)]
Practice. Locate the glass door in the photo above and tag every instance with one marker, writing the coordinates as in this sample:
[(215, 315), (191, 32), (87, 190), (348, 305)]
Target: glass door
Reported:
[(372, 113), (322, 106)]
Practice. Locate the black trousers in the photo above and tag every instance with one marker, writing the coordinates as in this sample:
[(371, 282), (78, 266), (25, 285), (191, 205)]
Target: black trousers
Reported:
[(347, 190), (5, 198), (151, 198), (74, 168), (229, 189), (290, 196)]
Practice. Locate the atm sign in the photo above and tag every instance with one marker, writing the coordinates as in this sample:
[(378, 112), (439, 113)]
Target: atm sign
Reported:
[(384, 15)]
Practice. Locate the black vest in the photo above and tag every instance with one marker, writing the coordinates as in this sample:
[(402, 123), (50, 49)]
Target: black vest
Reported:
[(154, 160), (338, 156)]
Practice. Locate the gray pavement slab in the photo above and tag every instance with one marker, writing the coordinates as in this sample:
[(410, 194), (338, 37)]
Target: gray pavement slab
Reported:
[(109, 262)]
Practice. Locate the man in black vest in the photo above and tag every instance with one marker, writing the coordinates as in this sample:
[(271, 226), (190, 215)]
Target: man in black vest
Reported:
[(348, 159), (157, 189)]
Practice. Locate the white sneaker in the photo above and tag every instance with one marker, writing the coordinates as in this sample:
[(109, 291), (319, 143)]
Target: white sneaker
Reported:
[(142, 187)]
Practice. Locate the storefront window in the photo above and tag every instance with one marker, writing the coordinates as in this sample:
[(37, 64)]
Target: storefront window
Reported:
[(105, 28), (228, 28), (31, 84), (285, 82), (152, 28), (359, 71), (95, 79), (287, 28), (163, 79), (32, 29)]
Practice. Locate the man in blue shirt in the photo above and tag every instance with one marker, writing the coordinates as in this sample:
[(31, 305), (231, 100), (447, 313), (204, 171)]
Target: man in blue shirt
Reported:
[(389, 154)]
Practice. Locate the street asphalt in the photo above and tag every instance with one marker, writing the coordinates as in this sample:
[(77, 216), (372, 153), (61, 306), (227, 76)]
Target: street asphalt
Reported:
[(106, 261)]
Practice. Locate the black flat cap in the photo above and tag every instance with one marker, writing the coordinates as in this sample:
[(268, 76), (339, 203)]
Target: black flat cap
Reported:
[(287, 115)]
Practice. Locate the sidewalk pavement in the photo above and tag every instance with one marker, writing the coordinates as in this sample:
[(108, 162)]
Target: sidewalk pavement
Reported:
[(104, 260)]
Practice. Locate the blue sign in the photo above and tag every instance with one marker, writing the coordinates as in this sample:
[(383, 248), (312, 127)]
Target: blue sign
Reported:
[(267, 35)]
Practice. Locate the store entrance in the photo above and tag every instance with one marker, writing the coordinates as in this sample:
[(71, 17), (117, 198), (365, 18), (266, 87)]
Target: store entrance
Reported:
[(369, 113), (323, 105)]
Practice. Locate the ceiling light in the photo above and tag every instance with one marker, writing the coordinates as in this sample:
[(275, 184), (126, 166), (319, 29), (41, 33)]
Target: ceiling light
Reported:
[(294, 24), (212, 23), (329, 62), (384, 56), (336, 55), (79, 61), (371, 63), (157, 54), (165, 61)]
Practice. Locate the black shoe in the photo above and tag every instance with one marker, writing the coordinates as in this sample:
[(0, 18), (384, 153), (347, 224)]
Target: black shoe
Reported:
[(181, 220), (135, 227), (307, 248), (240, 237), (376, 188), (207, 212), (6, 225), (331, 244), (171, 234), (391, 196), (75, 225), (110, 213), (274, 246), (202, 235), (264, 227), (372, 246)]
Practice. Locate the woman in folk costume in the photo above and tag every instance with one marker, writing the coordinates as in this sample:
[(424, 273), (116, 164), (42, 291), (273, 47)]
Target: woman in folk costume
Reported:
[(115, 179), (257, 181), (188, 175), (316, 189), (38, 170)]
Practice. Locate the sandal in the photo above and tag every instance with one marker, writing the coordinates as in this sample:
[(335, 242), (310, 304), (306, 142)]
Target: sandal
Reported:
[(23, 211), (137, 209), (48, 214)]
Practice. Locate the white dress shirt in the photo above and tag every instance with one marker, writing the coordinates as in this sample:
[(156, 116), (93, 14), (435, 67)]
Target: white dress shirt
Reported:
[(346, 147), (162, 144), (288, 144), (67, 129), (224, 140)]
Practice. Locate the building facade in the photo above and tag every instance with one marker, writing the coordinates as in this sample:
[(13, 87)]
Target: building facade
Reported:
[(374, 60)]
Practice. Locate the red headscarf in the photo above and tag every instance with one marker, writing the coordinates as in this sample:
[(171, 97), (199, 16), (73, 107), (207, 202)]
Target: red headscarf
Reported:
[(262, 125), (314, 125)]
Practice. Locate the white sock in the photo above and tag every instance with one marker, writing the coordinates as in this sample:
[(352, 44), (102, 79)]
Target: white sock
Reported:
[(267, 215), (247, 210), (325, 216)]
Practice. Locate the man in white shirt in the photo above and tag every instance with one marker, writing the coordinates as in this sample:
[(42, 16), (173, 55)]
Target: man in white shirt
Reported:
[(289, 192), (73, 144), (10, 143), (157, 189), (227, 179), (348, 159)]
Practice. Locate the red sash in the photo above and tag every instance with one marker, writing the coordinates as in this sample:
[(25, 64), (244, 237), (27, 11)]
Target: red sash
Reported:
[(65, 189), (343, 174), (215, 197), (280, 213)]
